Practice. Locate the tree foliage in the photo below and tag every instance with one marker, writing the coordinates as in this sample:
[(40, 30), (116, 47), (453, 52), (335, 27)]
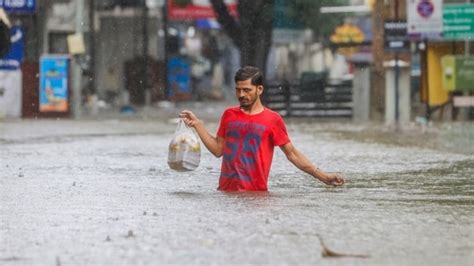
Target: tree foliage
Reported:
[(308, 11)]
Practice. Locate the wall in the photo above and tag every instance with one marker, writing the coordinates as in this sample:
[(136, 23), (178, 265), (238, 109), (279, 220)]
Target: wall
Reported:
[(120, 39)]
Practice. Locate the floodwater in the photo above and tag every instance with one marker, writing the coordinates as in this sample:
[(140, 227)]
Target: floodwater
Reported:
[(101, 193)]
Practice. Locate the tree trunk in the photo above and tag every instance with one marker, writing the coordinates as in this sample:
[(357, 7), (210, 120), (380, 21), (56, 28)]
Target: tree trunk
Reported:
[(253, 35)]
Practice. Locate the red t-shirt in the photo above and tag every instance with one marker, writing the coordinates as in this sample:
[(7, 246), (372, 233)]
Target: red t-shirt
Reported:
[(248, 148)]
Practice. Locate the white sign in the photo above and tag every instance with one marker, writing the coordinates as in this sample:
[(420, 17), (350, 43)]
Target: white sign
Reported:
[(10, 93), (75, 43), (425, 17)]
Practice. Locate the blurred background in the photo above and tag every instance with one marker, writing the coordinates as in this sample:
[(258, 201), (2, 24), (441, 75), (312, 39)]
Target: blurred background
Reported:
[(389, 60)]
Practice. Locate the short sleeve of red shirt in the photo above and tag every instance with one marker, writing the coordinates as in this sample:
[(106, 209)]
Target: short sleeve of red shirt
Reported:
[(280, 136), (221, 129)]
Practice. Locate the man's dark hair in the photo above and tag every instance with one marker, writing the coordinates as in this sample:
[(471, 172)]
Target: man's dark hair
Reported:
[(250, 72)]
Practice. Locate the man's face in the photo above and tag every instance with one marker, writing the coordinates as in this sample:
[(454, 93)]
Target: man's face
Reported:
[(246, 93)]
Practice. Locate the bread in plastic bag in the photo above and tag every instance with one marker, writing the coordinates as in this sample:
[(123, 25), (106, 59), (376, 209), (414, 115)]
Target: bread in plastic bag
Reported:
[(184, 151)]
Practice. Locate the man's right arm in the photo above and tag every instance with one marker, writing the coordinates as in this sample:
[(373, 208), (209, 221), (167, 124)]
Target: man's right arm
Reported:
[(213, 144)]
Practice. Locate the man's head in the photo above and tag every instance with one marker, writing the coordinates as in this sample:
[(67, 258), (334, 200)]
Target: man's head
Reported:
[(248, 85)]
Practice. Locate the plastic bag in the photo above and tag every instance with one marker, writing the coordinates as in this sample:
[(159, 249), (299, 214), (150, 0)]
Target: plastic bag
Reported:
[(184, 151)]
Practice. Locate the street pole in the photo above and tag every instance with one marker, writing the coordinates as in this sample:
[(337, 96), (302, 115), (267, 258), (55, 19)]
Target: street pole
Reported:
[(92, 82), (145, 88), (426, 79), (165, 32), (77, 71), (378, 85)]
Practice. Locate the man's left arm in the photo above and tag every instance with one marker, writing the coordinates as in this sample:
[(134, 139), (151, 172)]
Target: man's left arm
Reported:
[(302, 163)]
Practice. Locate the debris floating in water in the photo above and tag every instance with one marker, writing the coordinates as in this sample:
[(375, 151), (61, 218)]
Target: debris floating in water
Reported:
[(326, 252)]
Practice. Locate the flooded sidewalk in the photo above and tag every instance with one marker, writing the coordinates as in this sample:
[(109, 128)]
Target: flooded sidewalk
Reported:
[(90, 192)]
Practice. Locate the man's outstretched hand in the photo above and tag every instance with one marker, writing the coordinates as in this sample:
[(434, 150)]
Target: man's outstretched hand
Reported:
[(335, 179), (189, 118)]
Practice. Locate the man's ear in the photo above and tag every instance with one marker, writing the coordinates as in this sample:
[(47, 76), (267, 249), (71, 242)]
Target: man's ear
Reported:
[(259, 89)]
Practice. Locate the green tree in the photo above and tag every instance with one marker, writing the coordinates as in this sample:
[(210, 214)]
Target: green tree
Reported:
[(308, 11)]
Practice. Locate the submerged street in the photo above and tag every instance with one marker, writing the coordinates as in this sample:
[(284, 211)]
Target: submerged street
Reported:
[(87, 192)]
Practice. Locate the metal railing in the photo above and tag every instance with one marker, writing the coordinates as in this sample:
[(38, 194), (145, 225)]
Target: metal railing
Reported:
[(317, 99)]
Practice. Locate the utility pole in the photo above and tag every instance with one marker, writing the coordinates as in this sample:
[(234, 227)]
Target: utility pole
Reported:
[(76, 65), (377, 90), (165, 33), (92, 81), (144, 79)]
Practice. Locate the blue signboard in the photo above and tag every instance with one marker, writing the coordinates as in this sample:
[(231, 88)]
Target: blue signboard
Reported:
[(207, 24), (179, 76), (12, 60), (54, 83), (18, 6)]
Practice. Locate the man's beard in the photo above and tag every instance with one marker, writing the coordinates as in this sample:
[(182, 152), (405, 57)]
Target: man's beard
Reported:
[(245, 103), (249, 100)]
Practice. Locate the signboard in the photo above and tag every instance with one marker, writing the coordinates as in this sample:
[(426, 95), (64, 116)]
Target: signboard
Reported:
[(395, 35), (54, 84), (458, 73), (10, 93), (179, 78), (12, 60), (207, 24), (458, 21), (347, 33), (196, 9), (425, 18), (18, 6)]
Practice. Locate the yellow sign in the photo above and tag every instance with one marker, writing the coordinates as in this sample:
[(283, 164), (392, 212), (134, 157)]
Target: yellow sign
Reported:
[(435, 93), (347, 33)]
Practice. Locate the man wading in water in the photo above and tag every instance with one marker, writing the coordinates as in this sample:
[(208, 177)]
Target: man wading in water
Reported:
[(246, 137)]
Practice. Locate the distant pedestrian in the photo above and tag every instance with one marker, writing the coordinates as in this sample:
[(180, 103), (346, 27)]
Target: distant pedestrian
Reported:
[(247, 136)]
